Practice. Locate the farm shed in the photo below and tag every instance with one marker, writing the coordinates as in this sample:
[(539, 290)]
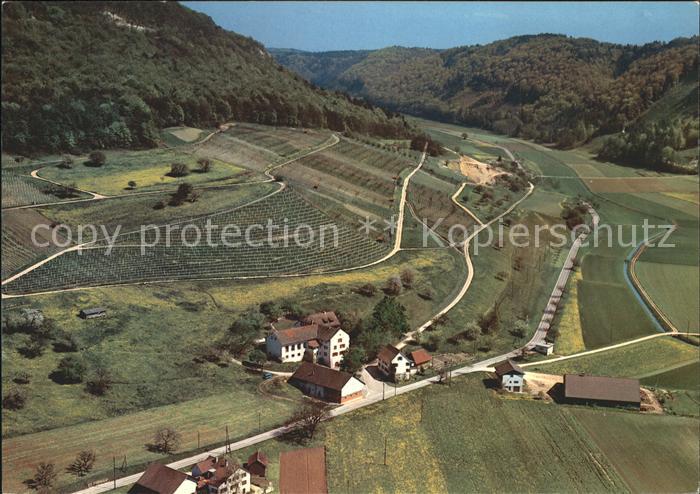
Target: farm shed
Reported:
[(303, 471), (510, 376), (602, 391), (327, 384), (93, 313), (160, 479), (421, 358), (544, 348)]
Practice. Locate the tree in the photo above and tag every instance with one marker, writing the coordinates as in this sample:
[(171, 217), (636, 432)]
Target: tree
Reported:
[(83, 463), (353, 359), (97, 158), (389, 315), (100, 382), (183, 193), (14, 399), (519, 329), (44, 477), (204, 165), (132, 184), (244, 331), (271, 309), (257, 356), (408, 277), (472, 331), (70, 370), (293, 309), (179, 170), (393, 286), (465, 136), (308, 416), (166, 440), (66, 162)]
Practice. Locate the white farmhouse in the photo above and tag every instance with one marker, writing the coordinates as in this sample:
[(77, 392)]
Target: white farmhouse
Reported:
[(393, 364), (324, 344), (511, 377), (221, 476)]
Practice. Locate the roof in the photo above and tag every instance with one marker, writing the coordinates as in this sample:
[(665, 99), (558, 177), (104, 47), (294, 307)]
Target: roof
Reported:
[(222, 470), (388, 353), (420, 357), (159, 479), (601, 388), (303, 471), (328, 319), (93, 310), (321, 376), (300, 334), (259, 457), (508, 367), (326, 333)]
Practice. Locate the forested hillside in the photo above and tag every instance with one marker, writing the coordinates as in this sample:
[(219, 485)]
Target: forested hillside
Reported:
[(549, 88), (79, 75)]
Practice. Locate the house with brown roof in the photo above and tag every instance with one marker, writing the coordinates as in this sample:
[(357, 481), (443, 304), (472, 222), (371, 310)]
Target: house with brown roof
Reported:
[(320, 343), (303, 471), (510, 376), (221, 476), (327, 384), (160, 479), (420, 359), (393, 364), (327, 319), (602, 391), (257, 464)]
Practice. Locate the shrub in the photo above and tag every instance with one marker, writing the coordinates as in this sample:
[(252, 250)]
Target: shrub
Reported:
[(97, 158), (408, 277), (159, 205), (21, 377), (204, 165), (70, 370), (100, 382), (393, 286), (14, 399), (368, 290), (179, 170), (132, 184), (44, 477)]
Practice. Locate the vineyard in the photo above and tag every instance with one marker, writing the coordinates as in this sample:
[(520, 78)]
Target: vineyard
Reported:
[(19, 189), (325, 246), (282, 141)]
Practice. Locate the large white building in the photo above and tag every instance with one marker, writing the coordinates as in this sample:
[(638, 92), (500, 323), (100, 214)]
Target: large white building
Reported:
[(324, 344)]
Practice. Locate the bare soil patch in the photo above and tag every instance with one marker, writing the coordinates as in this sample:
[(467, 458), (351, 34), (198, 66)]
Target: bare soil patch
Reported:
[(477, 171)]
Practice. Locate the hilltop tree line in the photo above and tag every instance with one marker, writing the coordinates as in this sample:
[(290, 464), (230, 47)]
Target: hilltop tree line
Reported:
[(549, 88), (74, 79)]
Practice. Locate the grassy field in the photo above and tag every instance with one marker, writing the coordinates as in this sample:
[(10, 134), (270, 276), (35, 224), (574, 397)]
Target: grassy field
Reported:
[(149, 169), (651, 453), (471, 440), (179, 136), (635, 360), (20, 189), (568, 322), (675, 288), (242, 408), (683, 376)]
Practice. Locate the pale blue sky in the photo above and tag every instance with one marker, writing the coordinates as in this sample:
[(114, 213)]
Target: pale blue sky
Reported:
[(321, 26)]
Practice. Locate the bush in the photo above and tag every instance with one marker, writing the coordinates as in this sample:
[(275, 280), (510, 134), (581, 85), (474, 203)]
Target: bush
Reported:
[(70, 370), (159, 205), (408, 277), (271, 310), (99, 383), (14, 399), (179, 170), (21, 377), (204, 165), (393, 286), (368, 290), (97, 158), (65, 342)]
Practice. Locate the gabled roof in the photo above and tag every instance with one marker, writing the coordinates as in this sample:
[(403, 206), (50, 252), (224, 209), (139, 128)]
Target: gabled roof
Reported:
[(259, 457), (601, 388), (328, 319), (388, 353), (159, 479), (508, 367), (300, 334), (420, 357), (221, 469), (326, 333), (321, 375), (303, 471)]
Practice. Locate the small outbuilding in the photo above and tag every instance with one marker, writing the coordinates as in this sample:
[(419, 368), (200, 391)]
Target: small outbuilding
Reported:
[(327, 384), (602, 391), (544, 348), (510, 376), (421, 359), (257, 464), (93, 313)]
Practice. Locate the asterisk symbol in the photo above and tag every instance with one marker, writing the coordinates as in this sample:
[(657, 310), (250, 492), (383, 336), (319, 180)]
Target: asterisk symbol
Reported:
[(391, 225), (367, 226)]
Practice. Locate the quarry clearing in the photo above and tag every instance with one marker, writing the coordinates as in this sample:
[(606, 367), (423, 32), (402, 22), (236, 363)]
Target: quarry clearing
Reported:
[(476, 171)]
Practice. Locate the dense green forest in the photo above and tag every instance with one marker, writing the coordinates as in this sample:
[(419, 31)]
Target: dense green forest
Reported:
[(81, 75), (549, 88)]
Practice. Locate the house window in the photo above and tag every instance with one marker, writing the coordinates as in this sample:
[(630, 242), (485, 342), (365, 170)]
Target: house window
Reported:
[(342, 346), (335, 354)]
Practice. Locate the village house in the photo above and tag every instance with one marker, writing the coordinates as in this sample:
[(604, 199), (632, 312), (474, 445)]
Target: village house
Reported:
[(420, 359), (393, 364), (221, 476), (510, 376), (602, 391), (323, 342), (160, 479), (327, 384), (303, 471)]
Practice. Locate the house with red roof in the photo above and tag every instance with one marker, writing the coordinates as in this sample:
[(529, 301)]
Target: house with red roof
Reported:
[(221, 476), (161, 479)]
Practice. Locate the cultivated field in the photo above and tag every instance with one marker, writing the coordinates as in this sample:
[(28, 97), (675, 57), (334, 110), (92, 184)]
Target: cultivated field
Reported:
[(19, 189)]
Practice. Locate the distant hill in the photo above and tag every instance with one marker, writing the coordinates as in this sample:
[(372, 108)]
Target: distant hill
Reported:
[(78, 75), (549, 88)]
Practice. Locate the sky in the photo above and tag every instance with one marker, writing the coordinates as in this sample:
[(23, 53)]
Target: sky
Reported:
[(323, 26)]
